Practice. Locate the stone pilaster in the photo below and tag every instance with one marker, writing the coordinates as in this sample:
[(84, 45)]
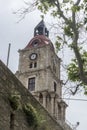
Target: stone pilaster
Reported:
[(52, 104), (44, 98)]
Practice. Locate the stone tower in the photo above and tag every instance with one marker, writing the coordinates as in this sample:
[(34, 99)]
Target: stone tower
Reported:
[(39, 71)]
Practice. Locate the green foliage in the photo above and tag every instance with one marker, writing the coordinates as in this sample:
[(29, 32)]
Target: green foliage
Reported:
[(76, 8), (43, 8), (44, 5), (31, 115), (73, 69), (14, 100), (58, 45), (65, 1), (68, 31), (85, 0), (54, 13)]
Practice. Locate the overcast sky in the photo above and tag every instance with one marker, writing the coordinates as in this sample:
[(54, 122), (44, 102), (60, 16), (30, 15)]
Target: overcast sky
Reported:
[(19, 34)]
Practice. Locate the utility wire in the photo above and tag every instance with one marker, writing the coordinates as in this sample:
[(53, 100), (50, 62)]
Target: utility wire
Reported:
[(75, 99)]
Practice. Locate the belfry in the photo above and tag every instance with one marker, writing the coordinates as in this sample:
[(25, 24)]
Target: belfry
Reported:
[(39, 71)]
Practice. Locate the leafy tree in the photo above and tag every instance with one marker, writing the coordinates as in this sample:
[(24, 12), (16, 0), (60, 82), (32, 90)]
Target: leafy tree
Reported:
[(72, 14)]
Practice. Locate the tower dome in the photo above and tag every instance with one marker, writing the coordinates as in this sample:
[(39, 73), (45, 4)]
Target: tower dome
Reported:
[(39, 41), (41, 37)]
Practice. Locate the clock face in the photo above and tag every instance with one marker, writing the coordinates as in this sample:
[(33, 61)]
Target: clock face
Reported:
[(33, 56)]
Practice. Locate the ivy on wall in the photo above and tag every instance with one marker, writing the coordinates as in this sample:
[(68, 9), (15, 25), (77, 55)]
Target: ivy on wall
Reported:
[(28, 109), (31, 115), (14, 100)]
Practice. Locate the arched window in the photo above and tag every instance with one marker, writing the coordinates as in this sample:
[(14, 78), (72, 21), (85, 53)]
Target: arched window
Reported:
[(33, 65), (55, 86)]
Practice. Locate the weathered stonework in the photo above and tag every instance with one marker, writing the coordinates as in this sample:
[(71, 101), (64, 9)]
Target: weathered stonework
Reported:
[(8, 84)]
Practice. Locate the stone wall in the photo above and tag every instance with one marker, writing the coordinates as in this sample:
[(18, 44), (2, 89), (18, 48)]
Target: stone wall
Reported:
[(9, 84)]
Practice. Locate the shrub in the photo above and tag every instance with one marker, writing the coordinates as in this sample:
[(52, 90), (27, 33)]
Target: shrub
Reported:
[(14, 100), (31, 115)]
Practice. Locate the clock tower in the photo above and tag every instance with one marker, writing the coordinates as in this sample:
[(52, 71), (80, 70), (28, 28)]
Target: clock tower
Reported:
[(39, 71)]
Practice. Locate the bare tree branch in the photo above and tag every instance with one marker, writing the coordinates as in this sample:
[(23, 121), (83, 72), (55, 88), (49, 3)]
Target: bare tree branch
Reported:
[(60, 11), (22, 12), (75, 89)]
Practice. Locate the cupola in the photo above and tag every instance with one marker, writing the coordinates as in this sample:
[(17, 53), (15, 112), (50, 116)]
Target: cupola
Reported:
[(41, 29)]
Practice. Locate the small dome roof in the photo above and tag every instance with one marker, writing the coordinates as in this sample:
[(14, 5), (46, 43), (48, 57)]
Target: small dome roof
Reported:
[(38, 41)]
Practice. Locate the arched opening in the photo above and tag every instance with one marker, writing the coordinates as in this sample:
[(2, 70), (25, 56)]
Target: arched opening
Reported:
[(59, 112), (48, 102), (41, 98), (55, 86), (54, 106)]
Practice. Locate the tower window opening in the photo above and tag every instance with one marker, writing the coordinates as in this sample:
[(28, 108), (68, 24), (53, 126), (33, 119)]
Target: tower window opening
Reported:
[(55, 87), (40, 30), (31, 84), (31, 65), (35, 64), (46, 32)]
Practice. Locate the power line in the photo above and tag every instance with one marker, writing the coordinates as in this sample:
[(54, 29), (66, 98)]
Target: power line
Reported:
[(75, 99)]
